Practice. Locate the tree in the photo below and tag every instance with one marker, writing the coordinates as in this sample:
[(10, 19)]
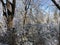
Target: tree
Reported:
[(27, 4), (58, 6), (8, 13)]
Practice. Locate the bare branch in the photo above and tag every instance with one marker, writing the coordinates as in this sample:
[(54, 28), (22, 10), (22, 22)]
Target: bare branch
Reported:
[(57, 5)]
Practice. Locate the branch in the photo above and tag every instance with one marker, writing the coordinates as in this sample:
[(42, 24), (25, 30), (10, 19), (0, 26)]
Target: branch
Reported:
[(57, 5), (2, 2)]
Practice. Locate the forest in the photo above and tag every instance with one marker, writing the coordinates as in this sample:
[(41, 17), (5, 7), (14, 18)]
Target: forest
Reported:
[(29, 22)]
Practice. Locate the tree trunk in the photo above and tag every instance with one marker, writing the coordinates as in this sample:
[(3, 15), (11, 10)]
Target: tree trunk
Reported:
[(8, 13)]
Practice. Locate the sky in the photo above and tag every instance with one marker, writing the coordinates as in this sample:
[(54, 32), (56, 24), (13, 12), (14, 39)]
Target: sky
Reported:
[(46, 5)]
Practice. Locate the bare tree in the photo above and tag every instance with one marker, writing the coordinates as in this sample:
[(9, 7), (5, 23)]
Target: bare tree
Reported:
[(8, 13), (27, 4), (58, 6)]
